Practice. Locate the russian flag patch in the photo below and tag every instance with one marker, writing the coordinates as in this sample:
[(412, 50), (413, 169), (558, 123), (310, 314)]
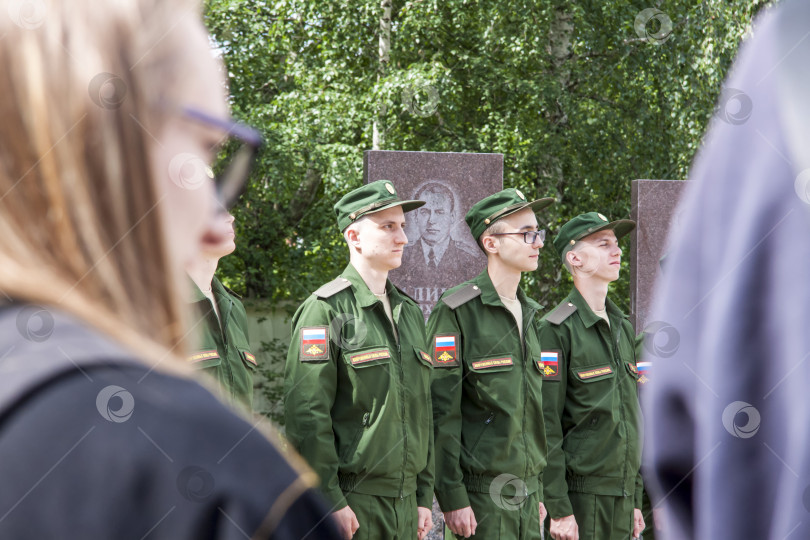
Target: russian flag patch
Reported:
[(643, 372), (445, 350), (314, 343), (551, 365)]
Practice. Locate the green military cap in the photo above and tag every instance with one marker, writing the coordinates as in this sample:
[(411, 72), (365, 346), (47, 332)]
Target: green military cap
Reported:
[(369, 199), (585, 225), (499, 205)]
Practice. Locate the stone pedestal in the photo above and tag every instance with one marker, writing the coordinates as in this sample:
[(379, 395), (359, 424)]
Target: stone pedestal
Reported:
[(654, 205)]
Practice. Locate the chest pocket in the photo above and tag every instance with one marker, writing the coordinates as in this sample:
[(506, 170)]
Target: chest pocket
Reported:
[(367, 357)]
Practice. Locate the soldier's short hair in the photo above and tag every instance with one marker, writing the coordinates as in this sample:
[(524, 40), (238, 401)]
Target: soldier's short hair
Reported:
[(495, 228)]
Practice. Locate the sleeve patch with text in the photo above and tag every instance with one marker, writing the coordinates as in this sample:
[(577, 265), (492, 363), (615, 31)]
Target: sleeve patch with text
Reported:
[(492, 362), (203, 355), (591, 373), (362, 358)]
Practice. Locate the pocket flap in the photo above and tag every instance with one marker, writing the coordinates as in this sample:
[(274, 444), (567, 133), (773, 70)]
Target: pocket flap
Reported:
[(248, 358), (424, 357)]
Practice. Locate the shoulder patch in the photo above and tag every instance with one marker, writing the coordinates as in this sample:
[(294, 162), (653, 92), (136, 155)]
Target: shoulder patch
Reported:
[(314, 345), (445, 350), (549, 365), (333, 287), (462, 296), (560, 313)]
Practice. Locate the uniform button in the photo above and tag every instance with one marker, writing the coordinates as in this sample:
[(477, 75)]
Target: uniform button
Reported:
[(475, 287), (570, 304)]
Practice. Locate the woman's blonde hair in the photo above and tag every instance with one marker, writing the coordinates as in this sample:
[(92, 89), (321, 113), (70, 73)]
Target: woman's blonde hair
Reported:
[(82, 83)]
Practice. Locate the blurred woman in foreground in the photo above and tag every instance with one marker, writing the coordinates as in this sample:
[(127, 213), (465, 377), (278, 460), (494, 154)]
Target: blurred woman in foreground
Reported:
[(110, 116)]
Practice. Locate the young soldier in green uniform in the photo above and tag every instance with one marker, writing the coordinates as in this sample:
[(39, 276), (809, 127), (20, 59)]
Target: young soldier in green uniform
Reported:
[(223, 348), (592, 481), (490, 442), (357, 380)]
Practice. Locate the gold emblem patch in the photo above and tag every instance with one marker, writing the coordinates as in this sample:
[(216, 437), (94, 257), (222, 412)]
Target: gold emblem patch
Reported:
[(314, 350)]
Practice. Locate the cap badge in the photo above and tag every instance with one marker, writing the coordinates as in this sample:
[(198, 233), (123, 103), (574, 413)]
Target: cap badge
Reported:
[(603, 218), (392, 191), (519, 194)]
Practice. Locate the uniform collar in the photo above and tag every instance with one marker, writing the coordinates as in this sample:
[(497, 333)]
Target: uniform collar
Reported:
[(589, 318), (364, 296), (489, 295)]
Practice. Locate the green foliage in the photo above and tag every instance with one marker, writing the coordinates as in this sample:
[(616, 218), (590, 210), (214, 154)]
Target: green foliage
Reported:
[(271, 379), (577, 102)]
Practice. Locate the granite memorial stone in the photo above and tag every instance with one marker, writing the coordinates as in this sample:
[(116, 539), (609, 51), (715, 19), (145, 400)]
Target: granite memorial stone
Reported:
[(440, 252), (654, 203)]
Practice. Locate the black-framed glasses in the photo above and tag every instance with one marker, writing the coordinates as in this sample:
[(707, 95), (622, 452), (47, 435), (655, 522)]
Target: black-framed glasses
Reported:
[(530, 237), (231, 182)]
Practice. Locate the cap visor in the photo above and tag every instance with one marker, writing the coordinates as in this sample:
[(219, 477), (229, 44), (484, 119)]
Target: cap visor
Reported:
[(620, 228), (407, 206)]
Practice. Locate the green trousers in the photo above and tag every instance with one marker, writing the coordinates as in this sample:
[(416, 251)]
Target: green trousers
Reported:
[(384, 517), (507, 521), (602, 517)]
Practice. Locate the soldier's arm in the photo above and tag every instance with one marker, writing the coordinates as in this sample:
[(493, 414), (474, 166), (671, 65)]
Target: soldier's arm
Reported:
[(446, 397), (639, 494), (310, 383), (425, 479), (555, 487)]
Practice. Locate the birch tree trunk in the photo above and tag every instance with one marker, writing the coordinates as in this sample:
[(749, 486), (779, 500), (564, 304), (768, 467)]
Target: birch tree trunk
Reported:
[(384, 57)]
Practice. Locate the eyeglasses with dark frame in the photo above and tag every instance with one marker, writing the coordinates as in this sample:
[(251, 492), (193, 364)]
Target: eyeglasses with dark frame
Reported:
[(231, 182), (530, 237)]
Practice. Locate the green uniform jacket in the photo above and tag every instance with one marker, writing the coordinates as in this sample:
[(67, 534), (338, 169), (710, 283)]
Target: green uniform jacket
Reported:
[(590, 400), (224, 352), (357, 402), (487, 402)]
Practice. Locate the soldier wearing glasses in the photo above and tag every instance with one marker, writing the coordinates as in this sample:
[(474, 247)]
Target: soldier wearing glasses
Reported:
[(489, 436)]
